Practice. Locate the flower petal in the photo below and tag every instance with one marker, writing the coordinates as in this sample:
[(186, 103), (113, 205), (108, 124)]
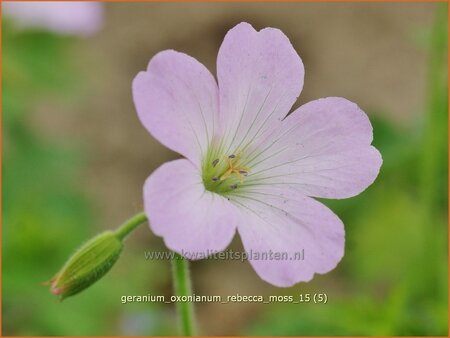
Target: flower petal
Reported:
[(323, 150), (192, 221), (260, 76), (288, 224), (74, 17), (177, 101)]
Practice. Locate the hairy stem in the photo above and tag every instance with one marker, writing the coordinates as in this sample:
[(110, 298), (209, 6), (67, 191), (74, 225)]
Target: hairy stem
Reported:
[(131, 224)]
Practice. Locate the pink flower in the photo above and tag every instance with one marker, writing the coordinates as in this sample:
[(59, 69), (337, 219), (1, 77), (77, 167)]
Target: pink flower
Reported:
[(249, 166), (65, 17)]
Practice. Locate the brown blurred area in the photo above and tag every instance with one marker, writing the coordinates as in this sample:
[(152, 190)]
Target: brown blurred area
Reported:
[(362, 51)]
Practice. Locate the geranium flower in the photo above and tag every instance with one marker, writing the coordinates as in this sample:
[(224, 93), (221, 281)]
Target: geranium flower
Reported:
[(249, 166), (63, 17)]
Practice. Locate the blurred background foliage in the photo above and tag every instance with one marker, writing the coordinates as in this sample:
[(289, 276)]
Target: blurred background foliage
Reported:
[(75, 158)]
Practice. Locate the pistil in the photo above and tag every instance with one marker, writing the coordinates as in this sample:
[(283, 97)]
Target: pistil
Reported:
[(224, 175)]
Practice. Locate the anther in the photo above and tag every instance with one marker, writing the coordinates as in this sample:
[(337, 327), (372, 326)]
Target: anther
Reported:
[(215, 162), (215, 178), (243, 172), (232, 156), (234, 186)]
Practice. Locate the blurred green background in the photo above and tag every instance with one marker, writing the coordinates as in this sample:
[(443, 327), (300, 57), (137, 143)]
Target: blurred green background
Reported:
[(75, 158)]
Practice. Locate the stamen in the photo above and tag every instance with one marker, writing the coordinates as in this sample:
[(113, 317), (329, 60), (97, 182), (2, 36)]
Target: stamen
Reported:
[(229, 169), (238, 175)]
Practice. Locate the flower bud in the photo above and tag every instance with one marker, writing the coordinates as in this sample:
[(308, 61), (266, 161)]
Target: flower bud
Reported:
[(87, 265)]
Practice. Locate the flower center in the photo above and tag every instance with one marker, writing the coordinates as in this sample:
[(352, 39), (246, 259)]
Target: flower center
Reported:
[(224, 174)]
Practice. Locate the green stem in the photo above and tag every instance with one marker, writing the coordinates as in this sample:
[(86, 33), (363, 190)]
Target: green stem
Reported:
[(435, 127), (182, 286), (130, 225), (433, 160), (182, 282)]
